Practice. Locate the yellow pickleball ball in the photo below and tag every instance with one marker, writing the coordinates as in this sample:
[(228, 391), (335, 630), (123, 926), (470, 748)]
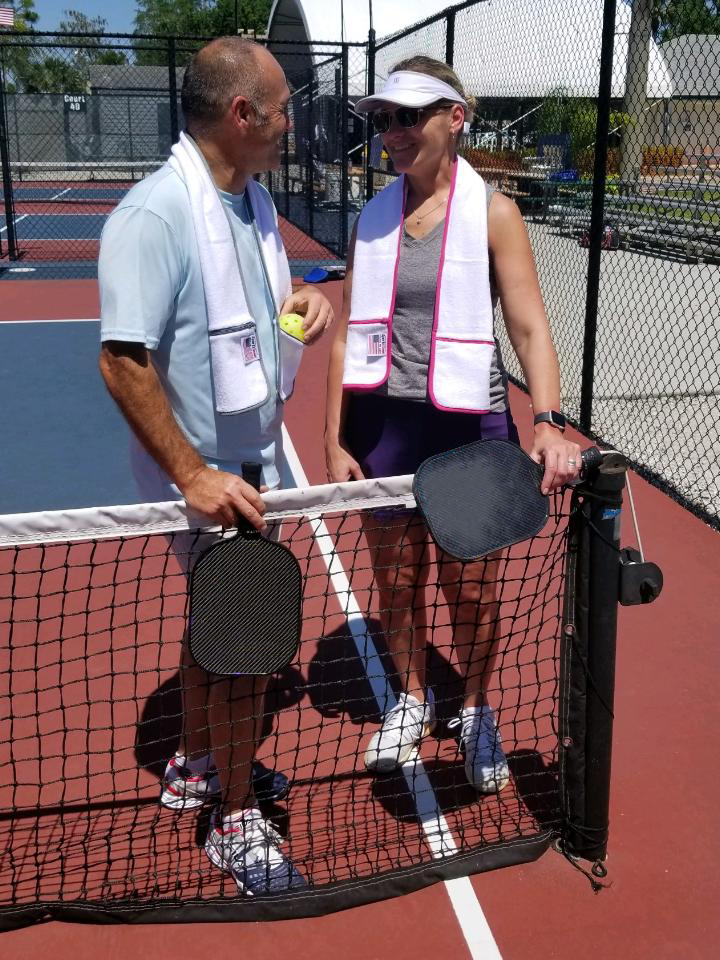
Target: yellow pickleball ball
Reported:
[(292, 324)]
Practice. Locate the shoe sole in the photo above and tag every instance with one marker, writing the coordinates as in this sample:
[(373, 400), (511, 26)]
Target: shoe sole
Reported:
[(380, 765)]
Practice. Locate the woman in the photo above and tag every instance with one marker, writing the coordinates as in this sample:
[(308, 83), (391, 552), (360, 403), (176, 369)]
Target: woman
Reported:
[(415, 369)]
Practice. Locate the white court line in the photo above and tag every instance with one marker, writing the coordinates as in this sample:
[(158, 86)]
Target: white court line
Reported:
[(17, 220), (468, 911), (57, 195)]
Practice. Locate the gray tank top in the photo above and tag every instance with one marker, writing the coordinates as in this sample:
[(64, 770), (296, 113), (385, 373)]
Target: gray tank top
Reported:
[(413, 322)]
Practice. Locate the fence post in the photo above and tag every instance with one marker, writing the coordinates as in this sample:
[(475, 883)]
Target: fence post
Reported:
[(172, 90), (6, 172), (450, 38), (286, 164), (588, 660), (344, 181), (369, 171), (310, 157), (597, 214)]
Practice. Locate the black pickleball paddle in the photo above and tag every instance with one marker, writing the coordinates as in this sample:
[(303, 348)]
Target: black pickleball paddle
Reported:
[(480, 498), (245, 602)]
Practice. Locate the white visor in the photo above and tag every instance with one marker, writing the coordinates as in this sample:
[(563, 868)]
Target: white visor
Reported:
[(406, 88)]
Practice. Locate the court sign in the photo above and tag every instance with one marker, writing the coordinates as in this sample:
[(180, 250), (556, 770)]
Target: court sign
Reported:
[(74, 102)]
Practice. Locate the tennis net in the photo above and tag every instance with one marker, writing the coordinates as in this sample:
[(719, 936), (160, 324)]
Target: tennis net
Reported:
[(93, 607)]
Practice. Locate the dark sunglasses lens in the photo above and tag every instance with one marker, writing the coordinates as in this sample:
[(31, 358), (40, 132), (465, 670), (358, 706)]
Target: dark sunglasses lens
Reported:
[(381, 121), (408, 116)]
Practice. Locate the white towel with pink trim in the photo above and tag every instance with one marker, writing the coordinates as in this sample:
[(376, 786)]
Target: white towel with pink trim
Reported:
[(462, 337), (239, 380)]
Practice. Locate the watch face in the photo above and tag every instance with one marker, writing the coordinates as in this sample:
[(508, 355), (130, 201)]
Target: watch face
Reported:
[(557, 418)]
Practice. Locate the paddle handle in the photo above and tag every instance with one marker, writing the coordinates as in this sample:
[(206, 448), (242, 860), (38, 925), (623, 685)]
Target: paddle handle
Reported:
[(252, 473)]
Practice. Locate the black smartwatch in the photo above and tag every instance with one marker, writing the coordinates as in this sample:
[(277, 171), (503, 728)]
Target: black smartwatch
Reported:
[(552, 417)]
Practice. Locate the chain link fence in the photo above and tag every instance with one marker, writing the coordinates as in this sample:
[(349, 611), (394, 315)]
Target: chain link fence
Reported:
[(600, 118), (86, 116), (602, 121)]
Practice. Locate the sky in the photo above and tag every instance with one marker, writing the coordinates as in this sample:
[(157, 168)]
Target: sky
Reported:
[(120, 14)]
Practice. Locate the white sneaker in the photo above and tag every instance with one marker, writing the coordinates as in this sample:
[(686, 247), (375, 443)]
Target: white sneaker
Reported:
[(184, 790), (402, 729), (247, 846), (485, 764)]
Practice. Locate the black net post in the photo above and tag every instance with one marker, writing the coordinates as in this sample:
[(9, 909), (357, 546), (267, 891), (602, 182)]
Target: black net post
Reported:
[(597, 214), (344, 180), (450, 37), (587, 680), (6, 172), (172, 91), (369, 172)]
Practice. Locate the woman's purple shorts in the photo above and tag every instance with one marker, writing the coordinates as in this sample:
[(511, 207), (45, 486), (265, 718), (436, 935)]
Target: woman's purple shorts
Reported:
[(391, 437)]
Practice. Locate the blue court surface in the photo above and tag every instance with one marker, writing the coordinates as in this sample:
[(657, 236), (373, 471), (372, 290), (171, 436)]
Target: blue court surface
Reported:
[(65, 444)]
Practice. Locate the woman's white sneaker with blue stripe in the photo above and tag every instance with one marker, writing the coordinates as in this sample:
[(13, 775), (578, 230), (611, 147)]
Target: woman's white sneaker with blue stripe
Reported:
[(402, 729), (485, 764)]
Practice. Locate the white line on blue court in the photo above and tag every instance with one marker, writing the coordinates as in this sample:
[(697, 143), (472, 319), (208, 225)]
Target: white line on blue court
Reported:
[(17, 220), (473, 923)]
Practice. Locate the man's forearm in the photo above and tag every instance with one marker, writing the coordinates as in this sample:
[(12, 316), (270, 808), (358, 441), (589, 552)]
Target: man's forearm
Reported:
[(133, 383)]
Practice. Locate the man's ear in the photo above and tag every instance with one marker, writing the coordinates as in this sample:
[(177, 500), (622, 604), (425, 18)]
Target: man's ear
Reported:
[(241, 110)]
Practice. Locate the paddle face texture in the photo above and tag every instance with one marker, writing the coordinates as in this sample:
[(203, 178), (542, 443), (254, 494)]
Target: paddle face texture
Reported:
[(481, 497), (245, 607)]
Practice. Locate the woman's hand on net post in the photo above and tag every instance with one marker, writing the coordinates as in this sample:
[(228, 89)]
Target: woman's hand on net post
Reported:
[(340, 465), (223, 497), (560, 457)]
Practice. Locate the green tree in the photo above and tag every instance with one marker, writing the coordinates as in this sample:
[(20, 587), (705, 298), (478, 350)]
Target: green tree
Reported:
[(14, 54), (201, 18), (87, 50), (675, 18), (35, 69), (194, 18), (577, 117)]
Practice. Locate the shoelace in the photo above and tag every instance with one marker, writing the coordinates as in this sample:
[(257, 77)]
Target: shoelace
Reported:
[(401, 716), (471, 728), (256, 833)]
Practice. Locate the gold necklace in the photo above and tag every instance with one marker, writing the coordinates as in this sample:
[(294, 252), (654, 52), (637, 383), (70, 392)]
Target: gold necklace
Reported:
[(431, 210)]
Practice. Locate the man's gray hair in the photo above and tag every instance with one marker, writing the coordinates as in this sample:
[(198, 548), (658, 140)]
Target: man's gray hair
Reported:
[(223, 69)]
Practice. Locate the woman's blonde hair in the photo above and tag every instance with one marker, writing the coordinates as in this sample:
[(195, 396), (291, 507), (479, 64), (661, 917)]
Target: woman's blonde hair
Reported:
[(441, 71)]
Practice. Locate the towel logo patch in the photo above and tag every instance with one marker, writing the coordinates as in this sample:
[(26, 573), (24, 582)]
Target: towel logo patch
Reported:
[(377, 344), (250, 350)]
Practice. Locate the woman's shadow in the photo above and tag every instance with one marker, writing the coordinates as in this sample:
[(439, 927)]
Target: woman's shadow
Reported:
[(341, 684)]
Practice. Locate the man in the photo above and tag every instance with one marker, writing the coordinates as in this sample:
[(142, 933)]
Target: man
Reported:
[(161, 363)]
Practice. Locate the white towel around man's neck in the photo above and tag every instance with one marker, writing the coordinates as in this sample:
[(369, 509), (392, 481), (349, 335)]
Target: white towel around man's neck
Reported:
[(224, 292), (239, 380)]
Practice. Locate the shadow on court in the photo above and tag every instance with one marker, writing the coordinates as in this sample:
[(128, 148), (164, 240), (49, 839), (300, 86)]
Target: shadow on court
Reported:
[(338, 683), (160, 726)]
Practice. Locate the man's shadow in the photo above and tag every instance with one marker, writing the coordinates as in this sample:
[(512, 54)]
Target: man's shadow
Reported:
[(160, 726)]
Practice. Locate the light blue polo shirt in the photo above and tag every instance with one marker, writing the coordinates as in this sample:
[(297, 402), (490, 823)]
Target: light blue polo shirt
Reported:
[(151, 292)]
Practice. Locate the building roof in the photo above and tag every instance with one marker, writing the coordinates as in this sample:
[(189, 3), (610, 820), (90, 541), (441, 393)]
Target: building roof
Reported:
[(693, 62), (130, 76)]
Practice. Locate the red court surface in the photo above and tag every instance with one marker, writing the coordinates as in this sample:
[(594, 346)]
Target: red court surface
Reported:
[(664, 838)]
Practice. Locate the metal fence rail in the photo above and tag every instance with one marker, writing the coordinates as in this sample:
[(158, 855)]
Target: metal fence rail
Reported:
[(601, 119)]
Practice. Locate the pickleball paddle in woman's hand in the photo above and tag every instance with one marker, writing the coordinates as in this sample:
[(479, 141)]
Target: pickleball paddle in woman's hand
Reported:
[(245, 602), (481, 497)]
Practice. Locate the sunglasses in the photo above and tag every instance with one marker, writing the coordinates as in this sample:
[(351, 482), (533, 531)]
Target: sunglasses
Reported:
[(406, 116)]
